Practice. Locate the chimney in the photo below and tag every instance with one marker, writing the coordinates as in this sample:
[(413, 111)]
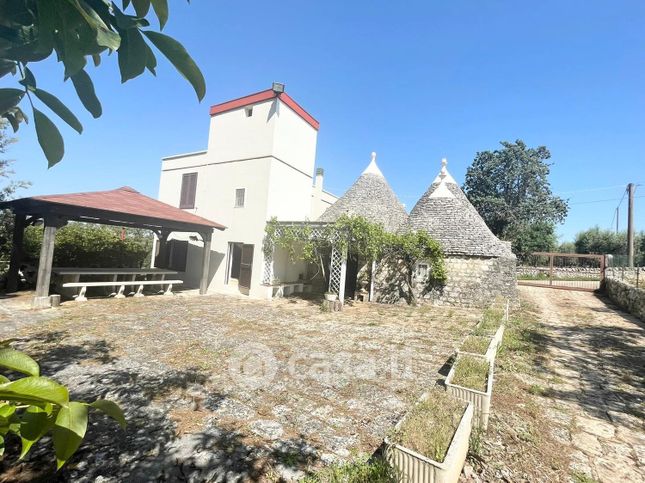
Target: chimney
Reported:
[(318, 183)]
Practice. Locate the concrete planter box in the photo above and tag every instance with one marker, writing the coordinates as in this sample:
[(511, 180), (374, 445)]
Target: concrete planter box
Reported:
[(490, 353), (413, 467), (480, 400), (331, 296)]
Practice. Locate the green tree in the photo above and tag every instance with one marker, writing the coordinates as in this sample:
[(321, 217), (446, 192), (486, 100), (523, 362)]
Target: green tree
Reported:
[(8, 186), (78, 30), (87, 245), (596, 240), (511, 190)]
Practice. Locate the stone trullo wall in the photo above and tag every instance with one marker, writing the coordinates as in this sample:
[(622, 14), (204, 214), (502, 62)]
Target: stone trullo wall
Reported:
[(472, 282)]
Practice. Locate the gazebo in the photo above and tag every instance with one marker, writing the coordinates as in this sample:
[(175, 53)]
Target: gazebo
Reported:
[(122, 207)]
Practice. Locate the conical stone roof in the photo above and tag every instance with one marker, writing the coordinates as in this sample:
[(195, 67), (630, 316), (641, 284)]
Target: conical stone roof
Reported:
[(372, 198), (446, 214)]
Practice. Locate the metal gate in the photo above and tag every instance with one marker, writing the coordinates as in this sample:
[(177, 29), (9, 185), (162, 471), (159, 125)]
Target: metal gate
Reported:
[(564, 271)]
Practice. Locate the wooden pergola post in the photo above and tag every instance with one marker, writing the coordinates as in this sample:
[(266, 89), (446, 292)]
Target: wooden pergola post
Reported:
[(16, 251), (161, 260), (206, 261), (46, 261)]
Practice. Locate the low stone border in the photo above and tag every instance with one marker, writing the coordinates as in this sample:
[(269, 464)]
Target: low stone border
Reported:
[(481, 401), (413, 467)]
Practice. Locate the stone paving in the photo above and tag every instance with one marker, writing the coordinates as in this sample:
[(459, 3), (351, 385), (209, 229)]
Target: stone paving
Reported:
[(220, 388), (596, 358)]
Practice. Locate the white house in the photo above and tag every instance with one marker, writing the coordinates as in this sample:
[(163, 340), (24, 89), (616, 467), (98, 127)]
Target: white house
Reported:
[(259, 164)]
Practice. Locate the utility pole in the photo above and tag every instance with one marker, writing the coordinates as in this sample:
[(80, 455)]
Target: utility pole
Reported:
[(630, 225)]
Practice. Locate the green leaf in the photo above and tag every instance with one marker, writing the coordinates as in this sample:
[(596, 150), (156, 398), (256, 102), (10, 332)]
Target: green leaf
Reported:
[(10, 97), (69, 431), (161, 10), (7, 410), (59, 108), (1, 445), (141, 7), (34, 390), (182, 61), (132, 54), (29, 80), (7, 66), (34, 424), (4, 379), (49, 138), (85, 91), (104, 36), (151, 60), (18, 361), (112, 409)]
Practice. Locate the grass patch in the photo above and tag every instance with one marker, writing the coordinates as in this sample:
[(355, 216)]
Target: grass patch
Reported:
[(430, 426), (360, 470), (471, 372), (491, 320), (538, 390), (579, 477), (476, 344)]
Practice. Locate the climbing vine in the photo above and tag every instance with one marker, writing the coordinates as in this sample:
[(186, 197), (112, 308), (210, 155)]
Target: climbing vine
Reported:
[(362, 239)]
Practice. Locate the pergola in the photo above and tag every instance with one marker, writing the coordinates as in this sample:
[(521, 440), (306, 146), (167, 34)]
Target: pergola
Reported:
[(313, 230), (121, 207)]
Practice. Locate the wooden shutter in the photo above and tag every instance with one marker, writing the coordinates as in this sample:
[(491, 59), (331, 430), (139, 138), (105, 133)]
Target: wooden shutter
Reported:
[(188, 190), (246, 266)]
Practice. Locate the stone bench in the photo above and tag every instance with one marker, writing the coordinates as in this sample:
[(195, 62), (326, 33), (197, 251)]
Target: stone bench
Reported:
[(121, 284), (287, 288)]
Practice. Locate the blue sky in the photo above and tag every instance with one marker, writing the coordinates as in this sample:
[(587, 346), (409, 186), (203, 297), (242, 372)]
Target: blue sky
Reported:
[(413, 81)]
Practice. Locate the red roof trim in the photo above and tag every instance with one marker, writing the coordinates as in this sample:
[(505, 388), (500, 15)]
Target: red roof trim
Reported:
[(265, 96)]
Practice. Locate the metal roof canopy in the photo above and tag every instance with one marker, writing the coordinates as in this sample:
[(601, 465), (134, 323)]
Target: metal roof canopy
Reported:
[(121, 207)]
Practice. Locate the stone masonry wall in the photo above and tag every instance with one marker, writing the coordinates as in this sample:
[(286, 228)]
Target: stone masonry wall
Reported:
[(626, 296), (472, 282)]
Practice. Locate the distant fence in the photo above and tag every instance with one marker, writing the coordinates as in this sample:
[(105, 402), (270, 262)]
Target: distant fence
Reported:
[(565, 271), (633, 276)]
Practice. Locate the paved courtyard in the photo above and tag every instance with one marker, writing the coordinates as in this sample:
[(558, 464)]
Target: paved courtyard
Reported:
[(224, 389)]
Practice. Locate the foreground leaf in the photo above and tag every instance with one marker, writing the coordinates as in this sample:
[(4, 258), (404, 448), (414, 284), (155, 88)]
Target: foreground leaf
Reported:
[(132, 54), (49, 138), (69, 431), (34, 424), (59, 108), (34, 390), (183, 62), (18, 361), (161, 10), (112, 409), (9, 98), (85, 91)]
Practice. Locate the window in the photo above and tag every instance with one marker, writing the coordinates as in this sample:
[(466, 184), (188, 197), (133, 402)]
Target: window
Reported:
[(188, 189), (240, 194), (248, 111), (422, 270)]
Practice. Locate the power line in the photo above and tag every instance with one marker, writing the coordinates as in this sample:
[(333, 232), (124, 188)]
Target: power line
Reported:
[(605, 200)]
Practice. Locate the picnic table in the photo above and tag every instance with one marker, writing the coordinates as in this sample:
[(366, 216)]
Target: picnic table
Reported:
[(69, 278)]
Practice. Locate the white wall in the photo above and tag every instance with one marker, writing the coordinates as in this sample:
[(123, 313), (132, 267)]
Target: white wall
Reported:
[(271, 154), (233, 135)]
